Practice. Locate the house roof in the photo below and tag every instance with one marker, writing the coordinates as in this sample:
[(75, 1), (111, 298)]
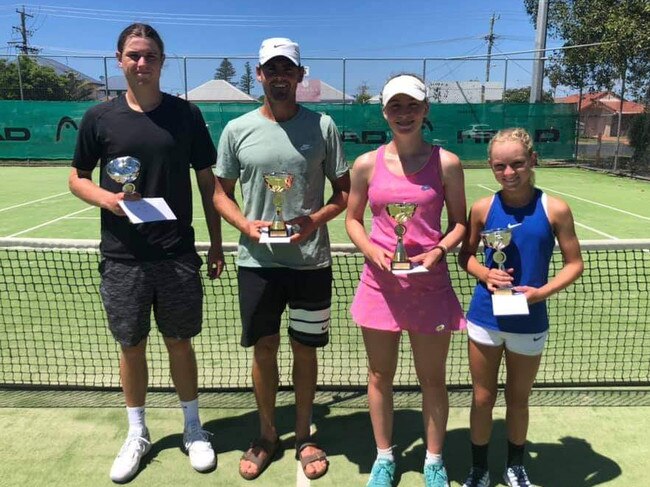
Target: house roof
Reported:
[(629, 107), (587, 98), (316, 90), (603, 99), (61, 69), (218, 90)]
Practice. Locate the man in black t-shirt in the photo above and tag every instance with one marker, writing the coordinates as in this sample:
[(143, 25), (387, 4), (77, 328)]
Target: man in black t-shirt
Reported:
[(154, 264)]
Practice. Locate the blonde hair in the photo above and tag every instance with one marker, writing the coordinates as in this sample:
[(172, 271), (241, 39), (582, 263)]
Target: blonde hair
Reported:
[(516, 134)]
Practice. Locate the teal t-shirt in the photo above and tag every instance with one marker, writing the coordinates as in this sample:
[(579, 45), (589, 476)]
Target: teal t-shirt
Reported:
[(307, 146)]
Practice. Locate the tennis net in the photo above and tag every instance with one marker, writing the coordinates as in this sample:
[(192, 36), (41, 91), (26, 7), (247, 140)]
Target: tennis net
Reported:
[(53, 332)]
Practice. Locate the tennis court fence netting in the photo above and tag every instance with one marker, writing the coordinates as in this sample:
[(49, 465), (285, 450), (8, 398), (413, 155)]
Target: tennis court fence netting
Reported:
[(53, 332)]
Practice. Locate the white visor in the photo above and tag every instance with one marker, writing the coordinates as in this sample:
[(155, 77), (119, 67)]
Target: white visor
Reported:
[(406, 85)]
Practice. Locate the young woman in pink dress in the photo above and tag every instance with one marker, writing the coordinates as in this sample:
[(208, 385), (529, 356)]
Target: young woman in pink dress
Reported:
[(407, 170)]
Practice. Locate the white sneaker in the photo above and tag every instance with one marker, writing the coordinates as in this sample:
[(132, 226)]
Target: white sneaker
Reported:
[(197, 444), (516, 476), (127, 462), (477, 478)]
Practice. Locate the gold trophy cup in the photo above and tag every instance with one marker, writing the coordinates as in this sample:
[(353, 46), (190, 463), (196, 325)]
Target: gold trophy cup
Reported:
[(498, 239), (124, 170), (278, 183), (401, 213)]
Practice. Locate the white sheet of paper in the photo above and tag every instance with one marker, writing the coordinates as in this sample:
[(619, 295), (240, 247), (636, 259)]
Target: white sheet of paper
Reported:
[(415, 270), (265, 238), (508, 305), (147, 210)]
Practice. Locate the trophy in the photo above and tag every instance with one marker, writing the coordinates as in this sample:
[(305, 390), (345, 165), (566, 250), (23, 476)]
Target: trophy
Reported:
[(401, 213), (124, 170), (278, 183), (498, 239)]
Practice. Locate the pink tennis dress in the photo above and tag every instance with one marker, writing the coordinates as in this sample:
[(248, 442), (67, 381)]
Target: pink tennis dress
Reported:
[(420, 302)]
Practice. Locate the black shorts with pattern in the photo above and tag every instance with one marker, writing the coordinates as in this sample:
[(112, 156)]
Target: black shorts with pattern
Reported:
[(171, 287)]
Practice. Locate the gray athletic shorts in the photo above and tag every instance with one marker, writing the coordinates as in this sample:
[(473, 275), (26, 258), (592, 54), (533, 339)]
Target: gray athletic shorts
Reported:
[(172, 287)]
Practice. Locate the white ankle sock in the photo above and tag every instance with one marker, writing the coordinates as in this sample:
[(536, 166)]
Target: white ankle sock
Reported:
[(136, 420), (433, 459), (385, 454), (191, 412)]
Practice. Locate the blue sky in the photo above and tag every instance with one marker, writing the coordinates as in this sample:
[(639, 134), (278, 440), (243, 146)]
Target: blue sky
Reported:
[(326, 29)]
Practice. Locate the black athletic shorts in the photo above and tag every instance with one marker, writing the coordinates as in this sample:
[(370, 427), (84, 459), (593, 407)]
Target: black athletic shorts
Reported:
[(264, 293), (172, 287)]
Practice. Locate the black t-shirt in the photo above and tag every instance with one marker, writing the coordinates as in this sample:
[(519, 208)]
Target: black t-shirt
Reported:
[(167, 141)]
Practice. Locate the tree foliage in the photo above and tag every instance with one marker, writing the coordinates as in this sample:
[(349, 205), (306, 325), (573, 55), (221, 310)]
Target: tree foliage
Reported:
[(225, 71), (363, 93), (247, 81), (40, 83), (522, 95), (639, 137), (622, 27)]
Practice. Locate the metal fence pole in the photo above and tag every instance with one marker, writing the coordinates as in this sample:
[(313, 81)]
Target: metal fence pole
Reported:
[(20, 78), (106, 77), (185, 75), (620, 116), (343, 81)]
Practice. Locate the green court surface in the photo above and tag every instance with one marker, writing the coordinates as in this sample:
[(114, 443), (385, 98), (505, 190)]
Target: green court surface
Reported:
[(35, 203), (576, 438), (570, 446)]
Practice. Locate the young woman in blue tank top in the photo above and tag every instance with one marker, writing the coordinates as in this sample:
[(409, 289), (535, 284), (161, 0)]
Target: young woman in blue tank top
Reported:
[(536, 221)]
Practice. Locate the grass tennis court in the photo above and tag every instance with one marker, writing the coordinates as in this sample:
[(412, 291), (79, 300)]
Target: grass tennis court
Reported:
[(74, 447), (35, 203)]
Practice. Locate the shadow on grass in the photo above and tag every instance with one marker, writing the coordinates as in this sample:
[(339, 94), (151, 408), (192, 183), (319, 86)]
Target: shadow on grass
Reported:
[(571, 462)]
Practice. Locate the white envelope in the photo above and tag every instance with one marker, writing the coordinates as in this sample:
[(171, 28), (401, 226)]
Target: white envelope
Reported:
[(147, 210), (415, 270), (265, 238), (509, 304)]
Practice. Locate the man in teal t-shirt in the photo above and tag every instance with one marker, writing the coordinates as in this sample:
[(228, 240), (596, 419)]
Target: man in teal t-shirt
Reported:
[(282, 136)]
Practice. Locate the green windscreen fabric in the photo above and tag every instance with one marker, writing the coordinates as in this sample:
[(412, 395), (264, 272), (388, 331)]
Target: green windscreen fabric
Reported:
[(47, 130)]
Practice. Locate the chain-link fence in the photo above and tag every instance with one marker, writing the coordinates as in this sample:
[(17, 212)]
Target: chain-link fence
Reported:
[(597, 139), (603, 130), (342, 79)]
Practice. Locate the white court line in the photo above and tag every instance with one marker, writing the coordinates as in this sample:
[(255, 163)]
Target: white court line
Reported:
[(34, 201), (301, 479), (612, 237), (613, 208), (50, 222), (591, 229)]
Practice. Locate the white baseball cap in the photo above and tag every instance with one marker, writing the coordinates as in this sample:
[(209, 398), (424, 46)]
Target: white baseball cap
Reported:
[(279, 46), (404, 84)]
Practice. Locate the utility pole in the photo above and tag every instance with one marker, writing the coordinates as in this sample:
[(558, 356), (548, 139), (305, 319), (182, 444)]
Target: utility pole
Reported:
[(25, 33), (490, 40), (536, 86)]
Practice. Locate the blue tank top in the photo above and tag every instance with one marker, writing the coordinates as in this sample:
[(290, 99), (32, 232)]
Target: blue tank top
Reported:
[(529, 253)]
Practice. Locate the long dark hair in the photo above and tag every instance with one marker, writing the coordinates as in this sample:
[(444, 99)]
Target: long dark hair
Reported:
[(140, 30)]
